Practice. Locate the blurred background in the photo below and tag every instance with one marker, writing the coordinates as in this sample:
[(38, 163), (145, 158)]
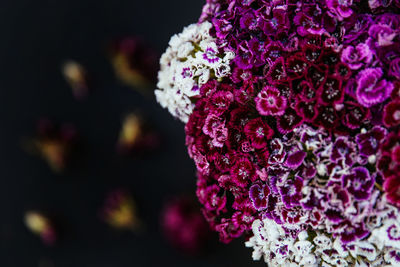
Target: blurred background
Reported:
[(38, 37)]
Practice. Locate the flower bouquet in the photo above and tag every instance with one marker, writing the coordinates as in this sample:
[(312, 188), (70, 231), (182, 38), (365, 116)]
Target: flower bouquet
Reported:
[(292, 113)]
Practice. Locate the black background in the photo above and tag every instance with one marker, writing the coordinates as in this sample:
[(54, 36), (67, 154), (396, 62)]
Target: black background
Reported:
[(36, 37)]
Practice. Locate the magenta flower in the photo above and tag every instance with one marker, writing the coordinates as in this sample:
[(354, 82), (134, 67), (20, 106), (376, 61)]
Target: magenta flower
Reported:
[(220, 101), (270, 102), (211, 197), (243, 172), (341, 9), (258, 132), (372, 89), (357, 57)]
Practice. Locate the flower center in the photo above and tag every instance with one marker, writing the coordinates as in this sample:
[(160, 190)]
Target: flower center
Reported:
[(396, 115)]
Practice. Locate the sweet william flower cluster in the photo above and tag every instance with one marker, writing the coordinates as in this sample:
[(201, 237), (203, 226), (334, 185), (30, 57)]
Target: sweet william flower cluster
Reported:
[(297, 144)]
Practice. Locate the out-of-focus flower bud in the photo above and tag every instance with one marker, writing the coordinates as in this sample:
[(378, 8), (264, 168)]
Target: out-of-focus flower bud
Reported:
[(119, 211), (135, 63), (137, 136), (76, 76), (41, 226)]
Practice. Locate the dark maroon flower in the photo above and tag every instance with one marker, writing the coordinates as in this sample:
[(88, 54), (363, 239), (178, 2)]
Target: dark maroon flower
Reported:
[(296, 66), (354, 115), (245, 94), (327, 117), (391, 114), (307, 110), (258, 194), (291, 192), (258, 132), (277, 72), (316, 75), (368, 143), (288, 121), (270, 102), (359, 183), (331, 92)]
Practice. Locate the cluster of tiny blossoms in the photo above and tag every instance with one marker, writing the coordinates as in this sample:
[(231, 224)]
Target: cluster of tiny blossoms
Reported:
[(191, 59), (298, 147)]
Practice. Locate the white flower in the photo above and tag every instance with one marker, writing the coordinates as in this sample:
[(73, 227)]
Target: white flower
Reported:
[(191, 59)]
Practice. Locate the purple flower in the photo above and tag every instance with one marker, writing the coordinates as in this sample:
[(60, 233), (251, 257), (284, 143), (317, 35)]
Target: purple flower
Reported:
[(374, 4), (307, 25), (356, 27), (381, 35), (372, 89), (248, 21), (244, 58), (259, 195), (352, 232), (359, 183), (270, 102), (368, 143), (343, 150), (394, 69), (340, 8), (295, 159), (356, 57), (291, 192)]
